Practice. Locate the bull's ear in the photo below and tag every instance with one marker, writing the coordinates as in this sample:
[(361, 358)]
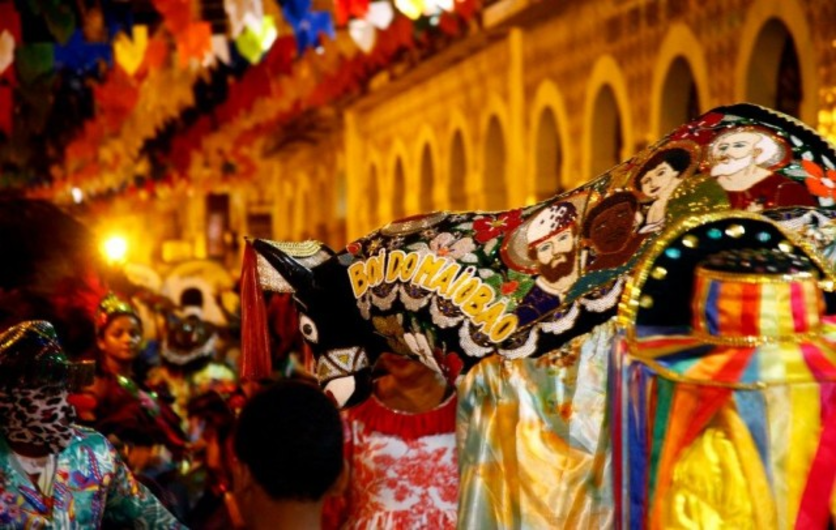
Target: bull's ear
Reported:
[(287, 267)]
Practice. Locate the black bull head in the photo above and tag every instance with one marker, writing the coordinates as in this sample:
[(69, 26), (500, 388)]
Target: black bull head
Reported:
[(450, 288)]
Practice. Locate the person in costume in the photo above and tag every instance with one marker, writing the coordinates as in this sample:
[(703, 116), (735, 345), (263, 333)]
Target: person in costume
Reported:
[(288, 446), (116, 394), (215, 507), (141, 426), (401, 453), (188, 367), (728, 422), (53, 472)]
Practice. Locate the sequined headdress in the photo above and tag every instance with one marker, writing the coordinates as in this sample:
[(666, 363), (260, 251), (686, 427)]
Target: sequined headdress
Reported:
[(30, 355), (727, 344), (111, 307)]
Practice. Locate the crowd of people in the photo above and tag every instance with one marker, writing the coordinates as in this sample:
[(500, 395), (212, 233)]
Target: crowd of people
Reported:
[(174, 440)]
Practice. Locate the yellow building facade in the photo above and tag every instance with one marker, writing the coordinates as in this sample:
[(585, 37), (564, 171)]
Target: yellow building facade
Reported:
[(541, 98)]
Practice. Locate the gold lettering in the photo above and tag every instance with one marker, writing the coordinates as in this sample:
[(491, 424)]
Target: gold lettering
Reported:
[(481, 297), (374, 269), (430, 266), (466, 275), (359, 280), (503, 329), (467, 288), (441, 282), (488, 318), (396, 258), (409, 264)]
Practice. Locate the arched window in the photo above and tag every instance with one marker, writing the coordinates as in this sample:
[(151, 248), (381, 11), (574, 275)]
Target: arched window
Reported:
[(774, 75), (398, 190), (547, 179), (458, 173), (680, 102), (607, 137), (494, 172), (425, 195)]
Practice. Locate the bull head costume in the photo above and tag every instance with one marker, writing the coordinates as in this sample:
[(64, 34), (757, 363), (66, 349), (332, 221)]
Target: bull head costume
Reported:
[(449, 289)]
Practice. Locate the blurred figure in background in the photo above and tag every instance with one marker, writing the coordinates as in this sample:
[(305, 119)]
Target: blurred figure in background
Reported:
[(53, 473), (288, 457), (401, 453), (188, 365), (214, 415), (143, 427)]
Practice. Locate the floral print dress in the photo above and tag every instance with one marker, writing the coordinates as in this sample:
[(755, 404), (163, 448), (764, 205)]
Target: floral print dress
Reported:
[(403, 469)]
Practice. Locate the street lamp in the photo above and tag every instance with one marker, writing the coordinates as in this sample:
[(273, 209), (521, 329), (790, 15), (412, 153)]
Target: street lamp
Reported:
[(115, 248)]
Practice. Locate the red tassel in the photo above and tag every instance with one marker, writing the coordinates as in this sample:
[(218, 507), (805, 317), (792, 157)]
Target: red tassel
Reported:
[(255, 343)]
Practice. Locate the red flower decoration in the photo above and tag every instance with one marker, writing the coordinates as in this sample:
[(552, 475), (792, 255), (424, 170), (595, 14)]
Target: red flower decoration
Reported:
[(701, 131), (509, 288), (821, 183), (489, 227), (354, 248)]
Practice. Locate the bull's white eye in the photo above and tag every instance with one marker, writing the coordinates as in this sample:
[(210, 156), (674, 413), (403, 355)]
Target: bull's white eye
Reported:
[(308, 329)]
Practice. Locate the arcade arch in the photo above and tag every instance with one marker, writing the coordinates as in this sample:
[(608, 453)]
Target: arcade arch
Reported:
[(773, 78), (549, 157), (457, 179), (680, 102), (607, 135), (398, 190), (425, 197), (494, 169), (777, 50)]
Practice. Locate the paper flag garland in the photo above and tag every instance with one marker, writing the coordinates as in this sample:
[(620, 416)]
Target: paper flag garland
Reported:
[(129, 53), (363, 34), (256, 39)]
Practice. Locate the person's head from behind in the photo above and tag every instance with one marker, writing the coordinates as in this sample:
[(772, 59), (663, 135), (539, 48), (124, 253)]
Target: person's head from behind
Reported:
[(289, 448)]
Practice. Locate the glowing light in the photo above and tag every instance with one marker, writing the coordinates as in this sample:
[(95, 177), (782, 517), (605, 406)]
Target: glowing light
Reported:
[(77, 194), (115, 248)]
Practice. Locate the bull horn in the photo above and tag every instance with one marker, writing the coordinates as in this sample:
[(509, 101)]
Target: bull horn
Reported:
[(288, 274)]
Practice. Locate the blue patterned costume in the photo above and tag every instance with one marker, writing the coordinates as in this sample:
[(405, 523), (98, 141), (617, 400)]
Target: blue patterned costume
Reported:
[(91, 484)]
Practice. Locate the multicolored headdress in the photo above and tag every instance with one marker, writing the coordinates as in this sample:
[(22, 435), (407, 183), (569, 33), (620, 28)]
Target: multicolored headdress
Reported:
[(728, 355), (111, 307), (30, 355)]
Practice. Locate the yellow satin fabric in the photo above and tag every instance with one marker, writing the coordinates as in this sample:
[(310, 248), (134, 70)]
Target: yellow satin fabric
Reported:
[(719, 482), (533, 448)]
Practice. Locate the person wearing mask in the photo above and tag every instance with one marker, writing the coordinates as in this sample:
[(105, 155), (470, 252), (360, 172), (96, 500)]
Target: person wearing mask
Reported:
[(54, 473), (401, 453)]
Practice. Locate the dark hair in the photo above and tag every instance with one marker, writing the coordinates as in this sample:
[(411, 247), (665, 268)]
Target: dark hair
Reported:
[(606, 204), (678, 158), (290, 436)]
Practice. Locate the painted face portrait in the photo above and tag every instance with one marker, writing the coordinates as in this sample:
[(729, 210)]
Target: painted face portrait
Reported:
[(663, 172), (659, 181), (556, 255), (735, 151), (611, 229)]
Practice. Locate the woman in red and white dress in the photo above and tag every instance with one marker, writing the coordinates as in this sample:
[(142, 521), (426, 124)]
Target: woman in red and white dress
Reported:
[(401, 453)]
